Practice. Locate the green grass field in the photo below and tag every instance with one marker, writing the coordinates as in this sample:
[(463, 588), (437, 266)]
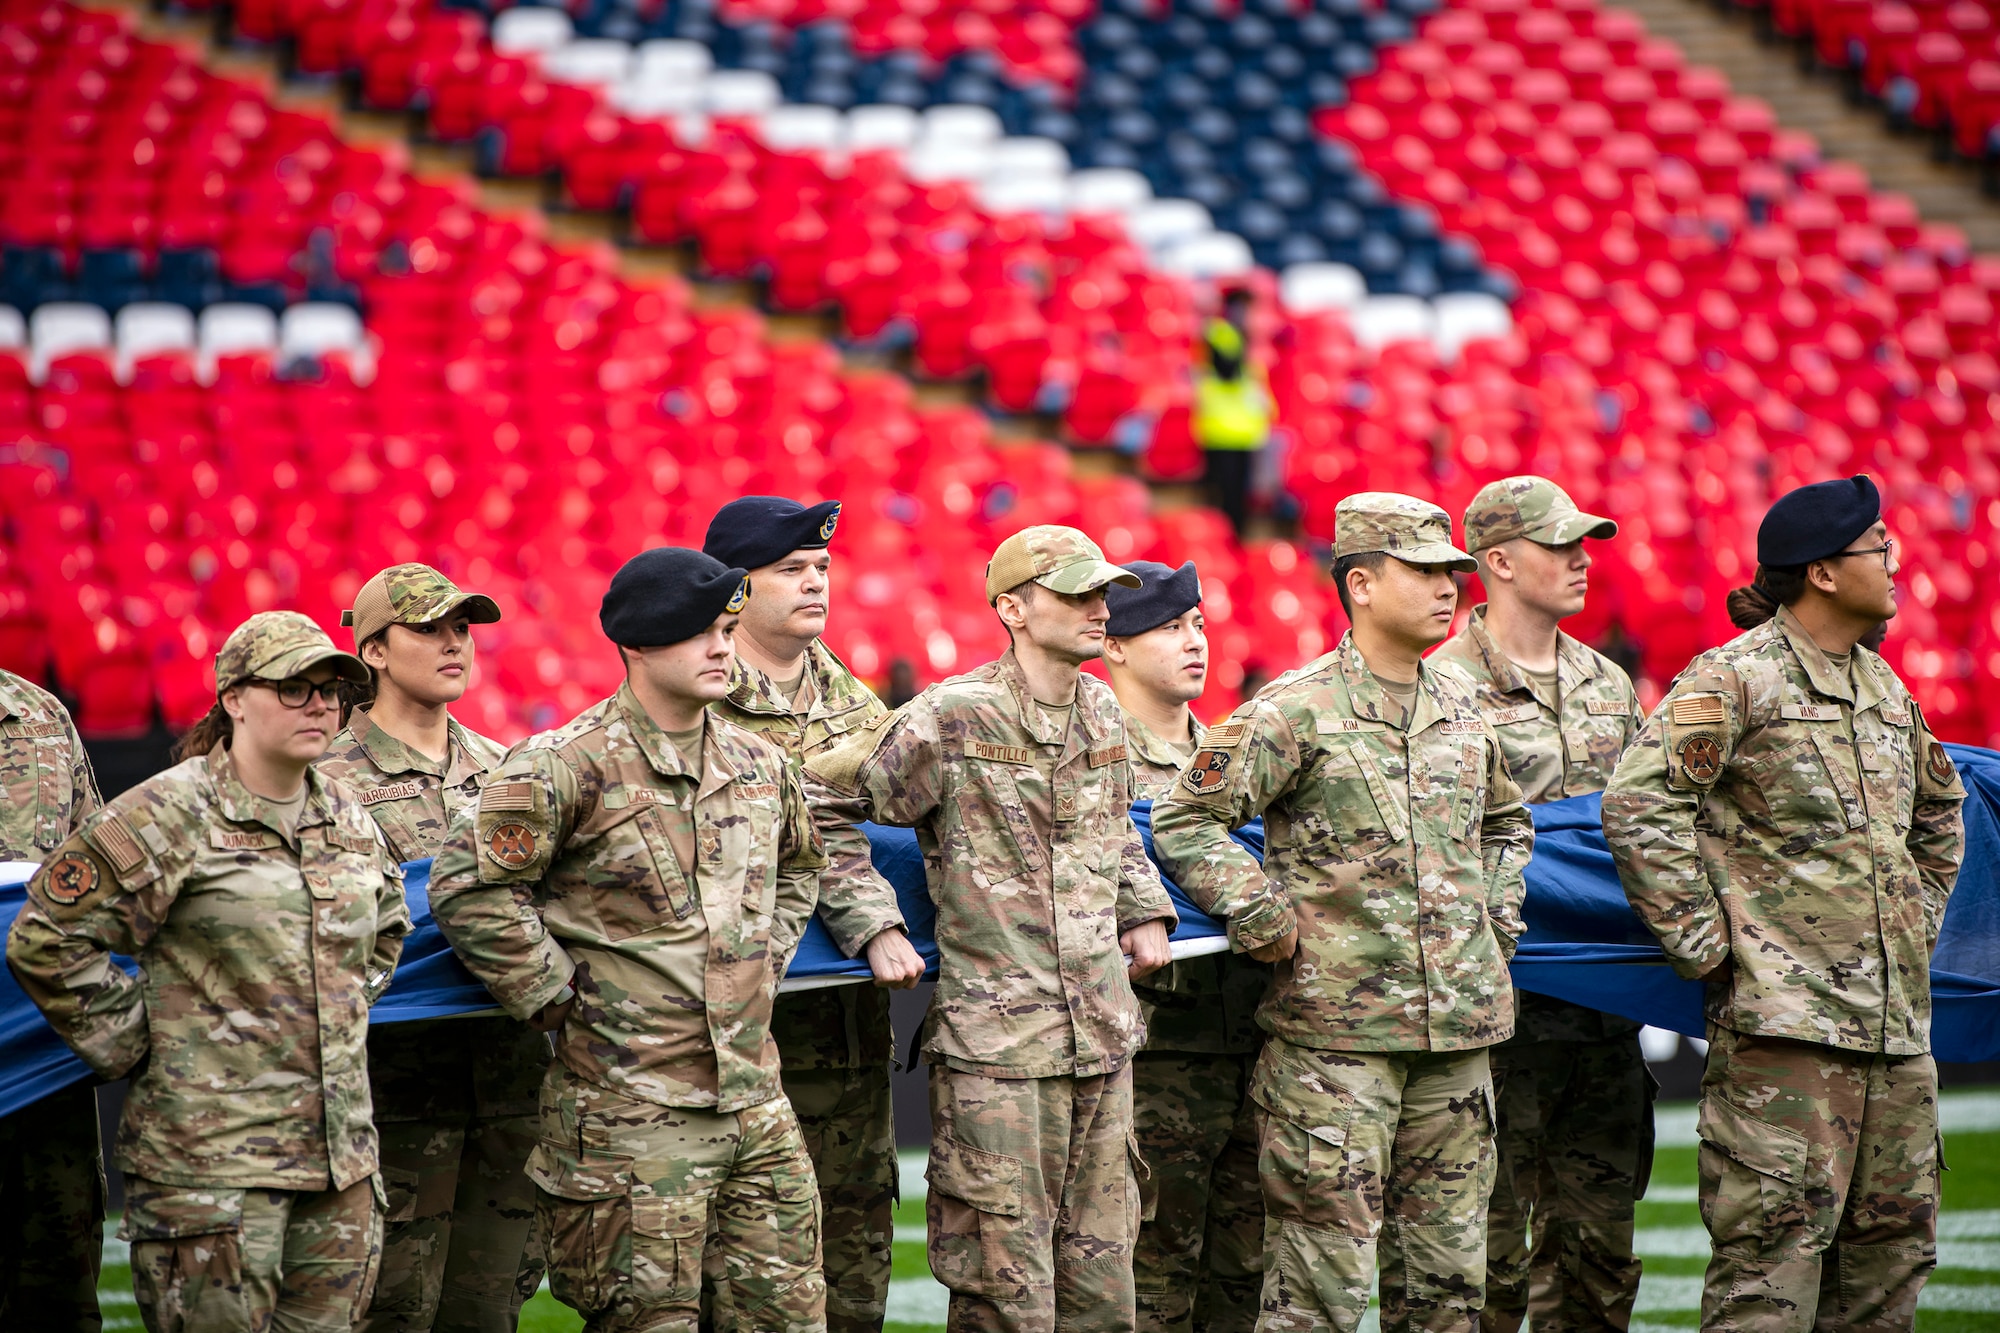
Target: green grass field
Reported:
[(1963, 1297)]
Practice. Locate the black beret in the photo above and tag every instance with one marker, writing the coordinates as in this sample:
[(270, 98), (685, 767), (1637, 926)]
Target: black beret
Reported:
[(668, 595), (760, 530), (1164, 593), (1816, 521)]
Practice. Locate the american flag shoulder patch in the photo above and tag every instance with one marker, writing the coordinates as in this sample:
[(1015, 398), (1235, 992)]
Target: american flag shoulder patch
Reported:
[(114, 838), (1695, 710), (508, 796), (1224, 735)]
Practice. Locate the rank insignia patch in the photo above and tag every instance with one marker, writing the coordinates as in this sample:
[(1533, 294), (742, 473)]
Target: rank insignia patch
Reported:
[(511, 844), (1207, 772), (1701, 758), (71, 878)]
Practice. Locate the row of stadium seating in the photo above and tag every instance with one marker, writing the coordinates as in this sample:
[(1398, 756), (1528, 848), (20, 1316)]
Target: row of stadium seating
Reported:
[(1934, 64), (155, 489)]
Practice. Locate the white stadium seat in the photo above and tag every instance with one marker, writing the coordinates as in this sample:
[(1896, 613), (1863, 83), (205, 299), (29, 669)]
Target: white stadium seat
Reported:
[(1108, 190), (1382, 320), (871, 128), (1164, 222), (740, 92), (148, 327), (589, 60), (1209, 255), (1464, 317), (63, 327), (1309, 289), (13, 329), (530, 31)]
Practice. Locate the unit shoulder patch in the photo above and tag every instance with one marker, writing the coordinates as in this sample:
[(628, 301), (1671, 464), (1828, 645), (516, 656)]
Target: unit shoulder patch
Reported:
[(70, 878), (511, 844), (1937, 763), (1700, 756), (1208, 772), (1696, 710)]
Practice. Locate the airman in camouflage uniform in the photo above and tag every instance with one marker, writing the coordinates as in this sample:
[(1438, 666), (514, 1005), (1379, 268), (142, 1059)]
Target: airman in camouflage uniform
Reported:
[(51, 1174), (1575, 1098), (1790, 829), (1200, 1257), (247, 1142), (1021, 809), (836, 1045), (455, 1098), (648, 898), (1390, 899)]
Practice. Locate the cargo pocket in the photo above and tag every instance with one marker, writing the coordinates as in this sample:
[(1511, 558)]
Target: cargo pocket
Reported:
[(1753, 1184), (668, 1233), (187, 1255), (979, 1241), (400, 1190), (583, 1209), (1304, 1170)]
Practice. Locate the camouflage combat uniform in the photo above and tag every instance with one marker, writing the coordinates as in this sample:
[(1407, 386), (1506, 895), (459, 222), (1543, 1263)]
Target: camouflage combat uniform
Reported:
[(835, 1044), (51, 1174), (1200, 1259), (1575, 1097), (1799, 828), (455, 1098), (247, 1142), (1036, 869), (1397, 855), (671, 901)]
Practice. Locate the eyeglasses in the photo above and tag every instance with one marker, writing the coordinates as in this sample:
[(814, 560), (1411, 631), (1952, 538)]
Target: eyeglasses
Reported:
[(295, 692), (1885, 550)]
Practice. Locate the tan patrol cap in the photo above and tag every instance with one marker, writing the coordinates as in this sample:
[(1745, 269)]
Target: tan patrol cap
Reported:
[(1415, 531), (276, 645), (1531, 507), (412, 595), (1060, 559)]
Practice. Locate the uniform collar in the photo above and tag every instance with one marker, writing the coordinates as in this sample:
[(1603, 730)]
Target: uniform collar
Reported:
[(1036, 723), (1574, 663), (393, 756), (664, 756), (1149, 746), (1863, 687), (242, 806), (1366, 697), (753, 691), (14, 700)]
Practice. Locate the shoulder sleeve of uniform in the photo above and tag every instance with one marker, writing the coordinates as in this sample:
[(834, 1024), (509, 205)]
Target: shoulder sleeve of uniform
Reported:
[(1700, 720), (842, 766), (524, 812), (1938, 778)]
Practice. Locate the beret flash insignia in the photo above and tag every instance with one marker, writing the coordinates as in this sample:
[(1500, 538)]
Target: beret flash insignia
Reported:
[(739, 597), (832, 522)]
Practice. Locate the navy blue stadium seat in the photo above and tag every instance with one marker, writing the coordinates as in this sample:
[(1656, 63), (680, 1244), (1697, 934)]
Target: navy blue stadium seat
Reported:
[(32, 275), (113, 279)]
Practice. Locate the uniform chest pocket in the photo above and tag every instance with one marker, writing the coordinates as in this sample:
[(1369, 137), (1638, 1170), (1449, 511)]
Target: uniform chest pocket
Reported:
[(637, 883), (993, 811), (1354, 797), (1804, 793), (1883, 750)]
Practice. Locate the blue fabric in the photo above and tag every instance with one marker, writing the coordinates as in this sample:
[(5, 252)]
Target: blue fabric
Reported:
[(1584, 943)]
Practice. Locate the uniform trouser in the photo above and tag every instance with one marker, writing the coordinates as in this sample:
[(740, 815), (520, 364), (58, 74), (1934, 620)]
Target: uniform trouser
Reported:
[(1034, 1201), (51, 1213), (1200, 1259), (1575, 1151), (1819, 1185), (456, 1254), (641, 1206), (1228, 476), (211, 1260), (850, 1133), (1367, 1151)]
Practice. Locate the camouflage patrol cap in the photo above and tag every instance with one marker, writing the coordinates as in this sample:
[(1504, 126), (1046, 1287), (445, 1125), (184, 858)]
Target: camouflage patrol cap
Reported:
[(276, 645), (1531, 507), (1060, 559), (412, 595), (1415, 531)]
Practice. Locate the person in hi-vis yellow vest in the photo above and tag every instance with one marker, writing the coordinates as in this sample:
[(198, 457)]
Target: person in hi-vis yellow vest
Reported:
[(1232, 408)]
